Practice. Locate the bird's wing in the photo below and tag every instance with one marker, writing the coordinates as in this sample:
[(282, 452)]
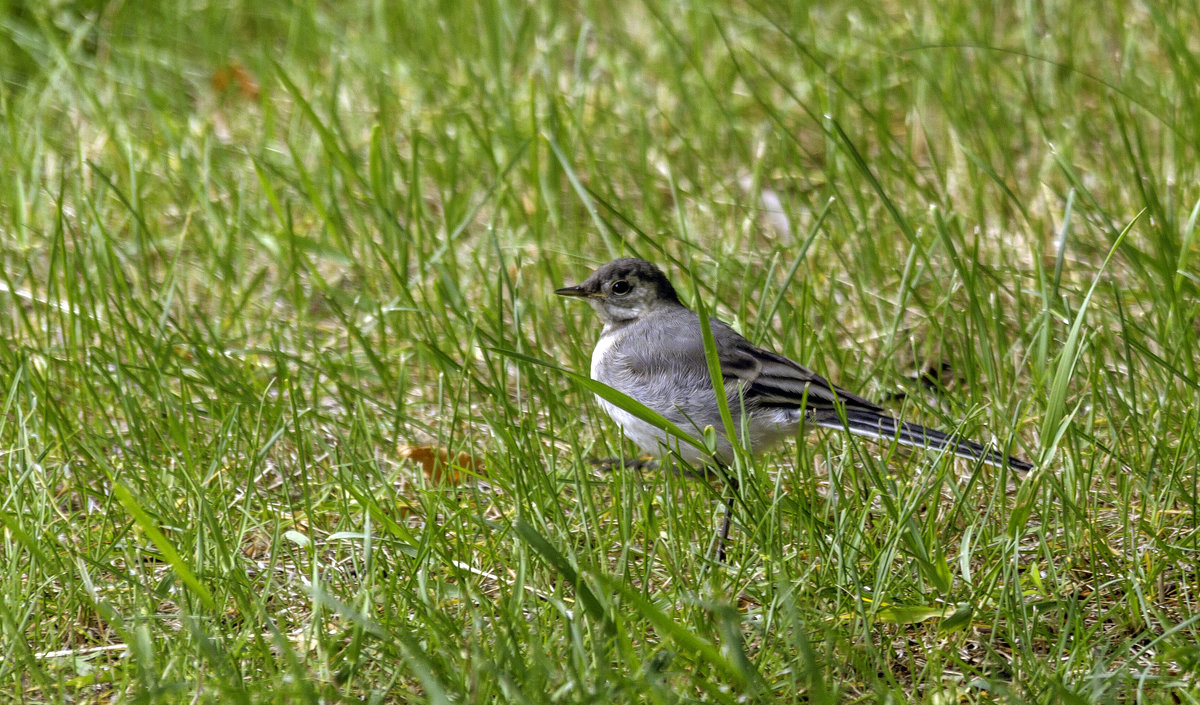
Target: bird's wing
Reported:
[(768, 379), (673, 348)]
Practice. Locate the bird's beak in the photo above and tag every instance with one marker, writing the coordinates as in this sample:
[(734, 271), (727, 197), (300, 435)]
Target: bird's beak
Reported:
[(571, 291)]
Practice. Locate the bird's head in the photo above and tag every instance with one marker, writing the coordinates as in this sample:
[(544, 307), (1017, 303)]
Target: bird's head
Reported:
[(624, 290)]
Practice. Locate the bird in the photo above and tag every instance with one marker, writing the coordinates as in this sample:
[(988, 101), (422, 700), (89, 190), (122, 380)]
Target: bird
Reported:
[(651, 348)]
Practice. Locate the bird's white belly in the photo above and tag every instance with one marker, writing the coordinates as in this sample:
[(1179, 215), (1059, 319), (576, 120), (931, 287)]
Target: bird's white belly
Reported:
[(647, 437), (764, 430)]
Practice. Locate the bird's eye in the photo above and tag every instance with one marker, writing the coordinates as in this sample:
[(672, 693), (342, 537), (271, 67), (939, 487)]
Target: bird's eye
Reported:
[(621, 287)]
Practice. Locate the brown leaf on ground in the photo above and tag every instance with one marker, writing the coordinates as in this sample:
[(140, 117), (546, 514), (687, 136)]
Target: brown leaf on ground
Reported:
[(256, 545), (438, 467), (234, 75)]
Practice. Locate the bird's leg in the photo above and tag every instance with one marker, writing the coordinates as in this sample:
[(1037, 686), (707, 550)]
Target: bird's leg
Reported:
[(642, 462), (725, 528), (731, 489)]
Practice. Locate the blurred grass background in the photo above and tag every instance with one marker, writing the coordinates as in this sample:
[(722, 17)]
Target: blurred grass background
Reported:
[(253, 254)]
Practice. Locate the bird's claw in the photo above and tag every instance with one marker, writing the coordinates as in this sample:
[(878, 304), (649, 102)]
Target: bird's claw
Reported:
[(642, 462)]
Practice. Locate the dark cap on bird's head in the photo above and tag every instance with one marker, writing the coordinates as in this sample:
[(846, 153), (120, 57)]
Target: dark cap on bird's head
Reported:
[(625, 289), (634, 272)]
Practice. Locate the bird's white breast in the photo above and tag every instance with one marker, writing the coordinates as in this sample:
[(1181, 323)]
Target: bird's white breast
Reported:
[(602, 347), (647, 437), (765, 428)]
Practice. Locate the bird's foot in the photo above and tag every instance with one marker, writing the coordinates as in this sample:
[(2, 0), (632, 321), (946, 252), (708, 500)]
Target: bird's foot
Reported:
[(642, 462)]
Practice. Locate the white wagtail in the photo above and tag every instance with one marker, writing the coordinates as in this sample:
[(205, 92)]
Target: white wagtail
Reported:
[(652, 349)]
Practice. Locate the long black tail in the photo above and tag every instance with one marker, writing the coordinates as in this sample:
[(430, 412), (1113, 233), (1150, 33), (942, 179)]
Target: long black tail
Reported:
[(886, 428)]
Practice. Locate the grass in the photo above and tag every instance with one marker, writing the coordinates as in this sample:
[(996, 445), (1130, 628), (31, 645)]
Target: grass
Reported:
[(252, 250)]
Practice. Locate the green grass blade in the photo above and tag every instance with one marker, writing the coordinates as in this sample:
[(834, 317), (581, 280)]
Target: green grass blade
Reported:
[(1055, 416), (156, 536)]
